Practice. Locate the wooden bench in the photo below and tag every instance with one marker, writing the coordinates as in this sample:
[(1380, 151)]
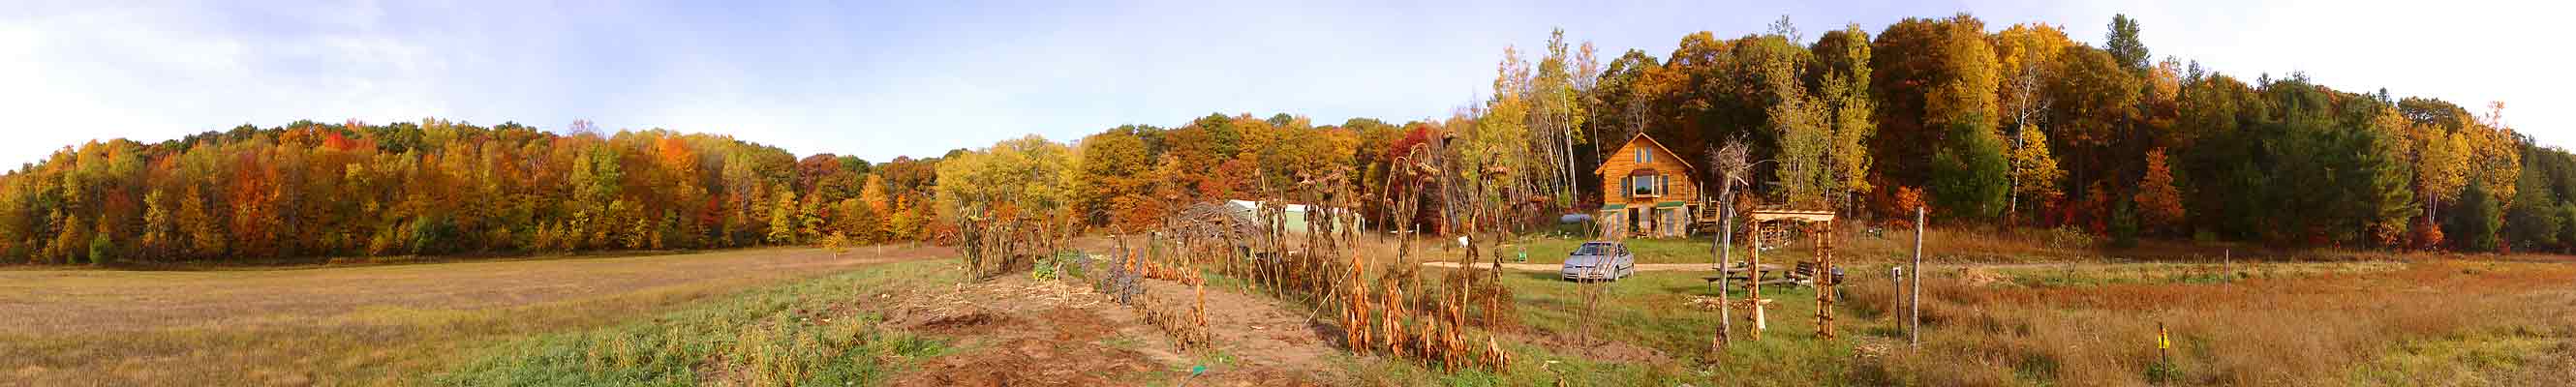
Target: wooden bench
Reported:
[(1805, 274)]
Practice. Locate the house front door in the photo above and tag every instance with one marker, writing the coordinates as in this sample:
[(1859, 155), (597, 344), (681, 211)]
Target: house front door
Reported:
[(1662, 219), (1657, 217), (1632, 220)]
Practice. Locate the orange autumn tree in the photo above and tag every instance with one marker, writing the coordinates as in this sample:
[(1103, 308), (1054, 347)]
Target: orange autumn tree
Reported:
[(2159, 202), (1116, 179)]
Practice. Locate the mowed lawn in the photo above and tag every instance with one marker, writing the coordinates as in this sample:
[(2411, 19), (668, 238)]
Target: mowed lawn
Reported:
[(366, 325)]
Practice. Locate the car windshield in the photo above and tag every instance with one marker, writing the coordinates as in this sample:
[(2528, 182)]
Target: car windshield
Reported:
[(1593, 249)]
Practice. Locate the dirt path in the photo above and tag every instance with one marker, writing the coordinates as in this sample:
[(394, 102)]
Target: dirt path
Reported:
[(1013, 331), (1257, 330)]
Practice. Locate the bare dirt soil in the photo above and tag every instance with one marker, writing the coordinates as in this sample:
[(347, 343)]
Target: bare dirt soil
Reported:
[(1016, 331), (1258, 330)]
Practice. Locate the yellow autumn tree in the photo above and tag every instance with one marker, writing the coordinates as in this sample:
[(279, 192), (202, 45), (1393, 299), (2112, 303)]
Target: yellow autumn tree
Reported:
[(1801, 120), (1968, 95), (2035, 173), (1846, 87), (1499, 134), (1557, 112), (2024, 55), (874, 194), (2441, 165), (2495, 162)]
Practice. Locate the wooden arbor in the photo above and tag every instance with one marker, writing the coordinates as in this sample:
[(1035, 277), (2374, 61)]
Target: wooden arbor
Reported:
[(1819, 225)]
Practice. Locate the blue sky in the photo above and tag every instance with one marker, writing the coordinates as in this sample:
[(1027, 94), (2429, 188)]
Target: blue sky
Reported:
[(919, 78)]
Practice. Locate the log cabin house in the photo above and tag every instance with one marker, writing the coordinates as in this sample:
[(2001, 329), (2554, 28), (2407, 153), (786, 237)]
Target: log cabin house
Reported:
[(1648, 191)]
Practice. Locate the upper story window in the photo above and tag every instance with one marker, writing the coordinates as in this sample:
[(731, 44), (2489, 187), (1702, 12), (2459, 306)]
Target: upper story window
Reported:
[(1641, 156)]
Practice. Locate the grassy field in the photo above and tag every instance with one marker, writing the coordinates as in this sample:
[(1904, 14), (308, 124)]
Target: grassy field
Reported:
[(809, 333), (368, 325), (900, 317), (2042, 314), (1864, 244), (1643, 332), (2415, 323), (1951, 245), (2257, 324)]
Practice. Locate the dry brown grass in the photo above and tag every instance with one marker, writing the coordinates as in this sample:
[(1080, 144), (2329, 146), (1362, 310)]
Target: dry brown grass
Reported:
[(2051, 313), (373, 325), (1985, 244), (2304, 327)]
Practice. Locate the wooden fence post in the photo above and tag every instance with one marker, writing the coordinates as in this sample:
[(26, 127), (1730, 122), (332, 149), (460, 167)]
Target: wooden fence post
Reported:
[(1896, 294), (1914, 313), (1753, 287), (1824, 279)]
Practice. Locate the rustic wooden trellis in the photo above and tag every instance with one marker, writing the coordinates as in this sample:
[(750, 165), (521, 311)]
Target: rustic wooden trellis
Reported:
[(1820, 231)]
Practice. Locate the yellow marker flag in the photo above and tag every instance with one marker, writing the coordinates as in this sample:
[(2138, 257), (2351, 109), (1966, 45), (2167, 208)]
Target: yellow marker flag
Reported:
[(2163, 341)]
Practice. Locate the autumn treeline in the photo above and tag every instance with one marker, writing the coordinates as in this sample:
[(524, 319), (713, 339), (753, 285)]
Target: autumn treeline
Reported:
[(436, 187), (2020, 126)]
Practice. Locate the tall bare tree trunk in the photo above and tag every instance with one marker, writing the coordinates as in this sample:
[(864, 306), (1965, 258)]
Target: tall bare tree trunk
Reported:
[(1725, 250)]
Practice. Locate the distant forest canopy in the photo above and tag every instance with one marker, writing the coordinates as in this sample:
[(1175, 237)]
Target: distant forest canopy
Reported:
[(436, 187), (2019, 127)]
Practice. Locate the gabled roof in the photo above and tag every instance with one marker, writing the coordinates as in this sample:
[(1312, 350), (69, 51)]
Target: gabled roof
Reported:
[(1677, 157)]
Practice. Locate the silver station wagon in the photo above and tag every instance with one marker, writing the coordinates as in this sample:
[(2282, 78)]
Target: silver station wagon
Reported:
[(1598, 260)]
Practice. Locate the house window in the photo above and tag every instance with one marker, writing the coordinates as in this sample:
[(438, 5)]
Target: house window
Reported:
[(1646, 185), (1641, 156)]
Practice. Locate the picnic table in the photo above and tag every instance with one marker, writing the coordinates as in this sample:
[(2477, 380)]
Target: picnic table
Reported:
[(1764, 274), (1739, 271)]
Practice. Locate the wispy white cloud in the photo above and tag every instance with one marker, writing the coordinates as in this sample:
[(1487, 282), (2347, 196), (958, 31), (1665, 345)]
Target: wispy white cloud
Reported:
[(879, 80), (2468, 52), (156, 73)]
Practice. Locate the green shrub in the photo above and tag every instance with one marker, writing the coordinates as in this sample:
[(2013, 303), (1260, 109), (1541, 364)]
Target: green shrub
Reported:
[(2163, 373), (2473, 222), (432, 235), (2124, 224), (101, 250), (1968, 172)]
